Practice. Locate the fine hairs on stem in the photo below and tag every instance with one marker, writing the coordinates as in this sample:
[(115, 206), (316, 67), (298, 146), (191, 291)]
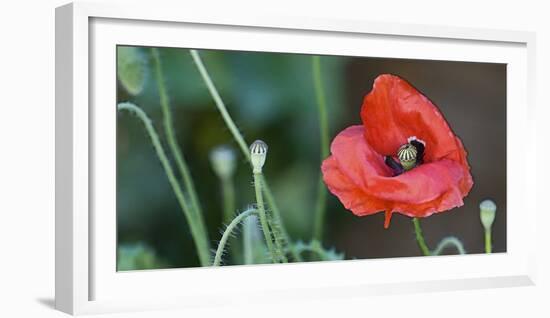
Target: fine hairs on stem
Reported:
[(177, 153), (263, 216), (227, 233), (258, 156), (242, 144), (199, 236), (320, 209)]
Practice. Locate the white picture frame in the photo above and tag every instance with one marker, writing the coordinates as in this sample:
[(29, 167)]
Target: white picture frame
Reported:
[(86, 281)]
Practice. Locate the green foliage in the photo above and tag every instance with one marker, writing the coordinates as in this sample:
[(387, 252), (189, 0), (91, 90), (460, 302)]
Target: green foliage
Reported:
[(315, 248), (132, 70), (137, 256)]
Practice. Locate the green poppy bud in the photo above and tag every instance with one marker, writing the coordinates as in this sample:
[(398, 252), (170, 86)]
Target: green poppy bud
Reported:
[(487, 211), (131, 68), (258, 154)]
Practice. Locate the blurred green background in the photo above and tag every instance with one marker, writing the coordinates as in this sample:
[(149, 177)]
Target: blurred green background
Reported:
[(271, 97)]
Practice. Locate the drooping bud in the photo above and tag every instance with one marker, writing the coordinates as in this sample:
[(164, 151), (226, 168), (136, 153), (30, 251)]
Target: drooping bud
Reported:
[(258, 154), (223, 161), (487, 211)]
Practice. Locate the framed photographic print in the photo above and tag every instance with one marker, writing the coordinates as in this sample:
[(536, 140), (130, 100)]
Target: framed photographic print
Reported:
[(275, 158)]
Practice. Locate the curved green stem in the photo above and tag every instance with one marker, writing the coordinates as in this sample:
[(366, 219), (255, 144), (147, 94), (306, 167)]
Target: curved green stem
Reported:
[(199, 236), (227, 234), (488, 244), (448, 242), (420, 238), (174, 147), (263, 216), (320, 210), (219, 103), (239, 139)]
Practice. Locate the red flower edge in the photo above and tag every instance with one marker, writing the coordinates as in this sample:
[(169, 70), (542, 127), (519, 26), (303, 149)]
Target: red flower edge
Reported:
[(392, 113)]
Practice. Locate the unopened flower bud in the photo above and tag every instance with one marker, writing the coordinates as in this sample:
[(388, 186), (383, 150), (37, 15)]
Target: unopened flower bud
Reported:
[(258, 154), (487, 211), (132, 69), (223, 161)]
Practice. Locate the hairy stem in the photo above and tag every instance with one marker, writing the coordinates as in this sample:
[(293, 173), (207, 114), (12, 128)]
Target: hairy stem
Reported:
[(240, 140), (197, 232), (449, 242), (227, 233), (263, 216), (280, 243), (277, 216), (420, 238), (174, 147), (320, 210)]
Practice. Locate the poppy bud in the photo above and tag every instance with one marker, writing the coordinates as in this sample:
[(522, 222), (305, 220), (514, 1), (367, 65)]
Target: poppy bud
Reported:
[(223, 162), (487, 210), (131, 69), (258, 154)]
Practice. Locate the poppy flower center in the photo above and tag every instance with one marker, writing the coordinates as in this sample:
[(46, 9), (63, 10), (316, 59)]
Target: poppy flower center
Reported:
[(409, 156)]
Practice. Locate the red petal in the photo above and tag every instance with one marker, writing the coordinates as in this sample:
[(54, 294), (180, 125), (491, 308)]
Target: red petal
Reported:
[(358, 176), (352, 197), (394, 111)]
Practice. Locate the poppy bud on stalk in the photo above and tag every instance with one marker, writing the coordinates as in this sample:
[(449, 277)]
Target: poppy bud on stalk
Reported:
[(487, 211), (223, 162), (258, 154)]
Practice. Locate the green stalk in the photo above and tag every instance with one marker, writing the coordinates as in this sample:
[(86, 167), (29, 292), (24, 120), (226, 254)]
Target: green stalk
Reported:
[(277, 238), (228, 197), (263, 216), (241, 142), (420, 238), (227, 233), (320, 210), (488, 244), (174, 147), (199, 236), (449, 242), (277, 216), (229, 207), (220, 104)]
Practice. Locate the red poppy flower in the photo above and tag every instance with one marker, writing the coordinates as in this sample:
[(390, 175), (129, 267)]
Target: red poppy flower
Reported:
[(366, 173)]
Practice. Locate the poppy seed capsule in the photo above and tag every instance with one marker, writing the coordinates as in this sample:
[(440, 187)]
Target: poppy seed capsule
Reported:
[(407, 156), (258, 154), (487, 211)]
